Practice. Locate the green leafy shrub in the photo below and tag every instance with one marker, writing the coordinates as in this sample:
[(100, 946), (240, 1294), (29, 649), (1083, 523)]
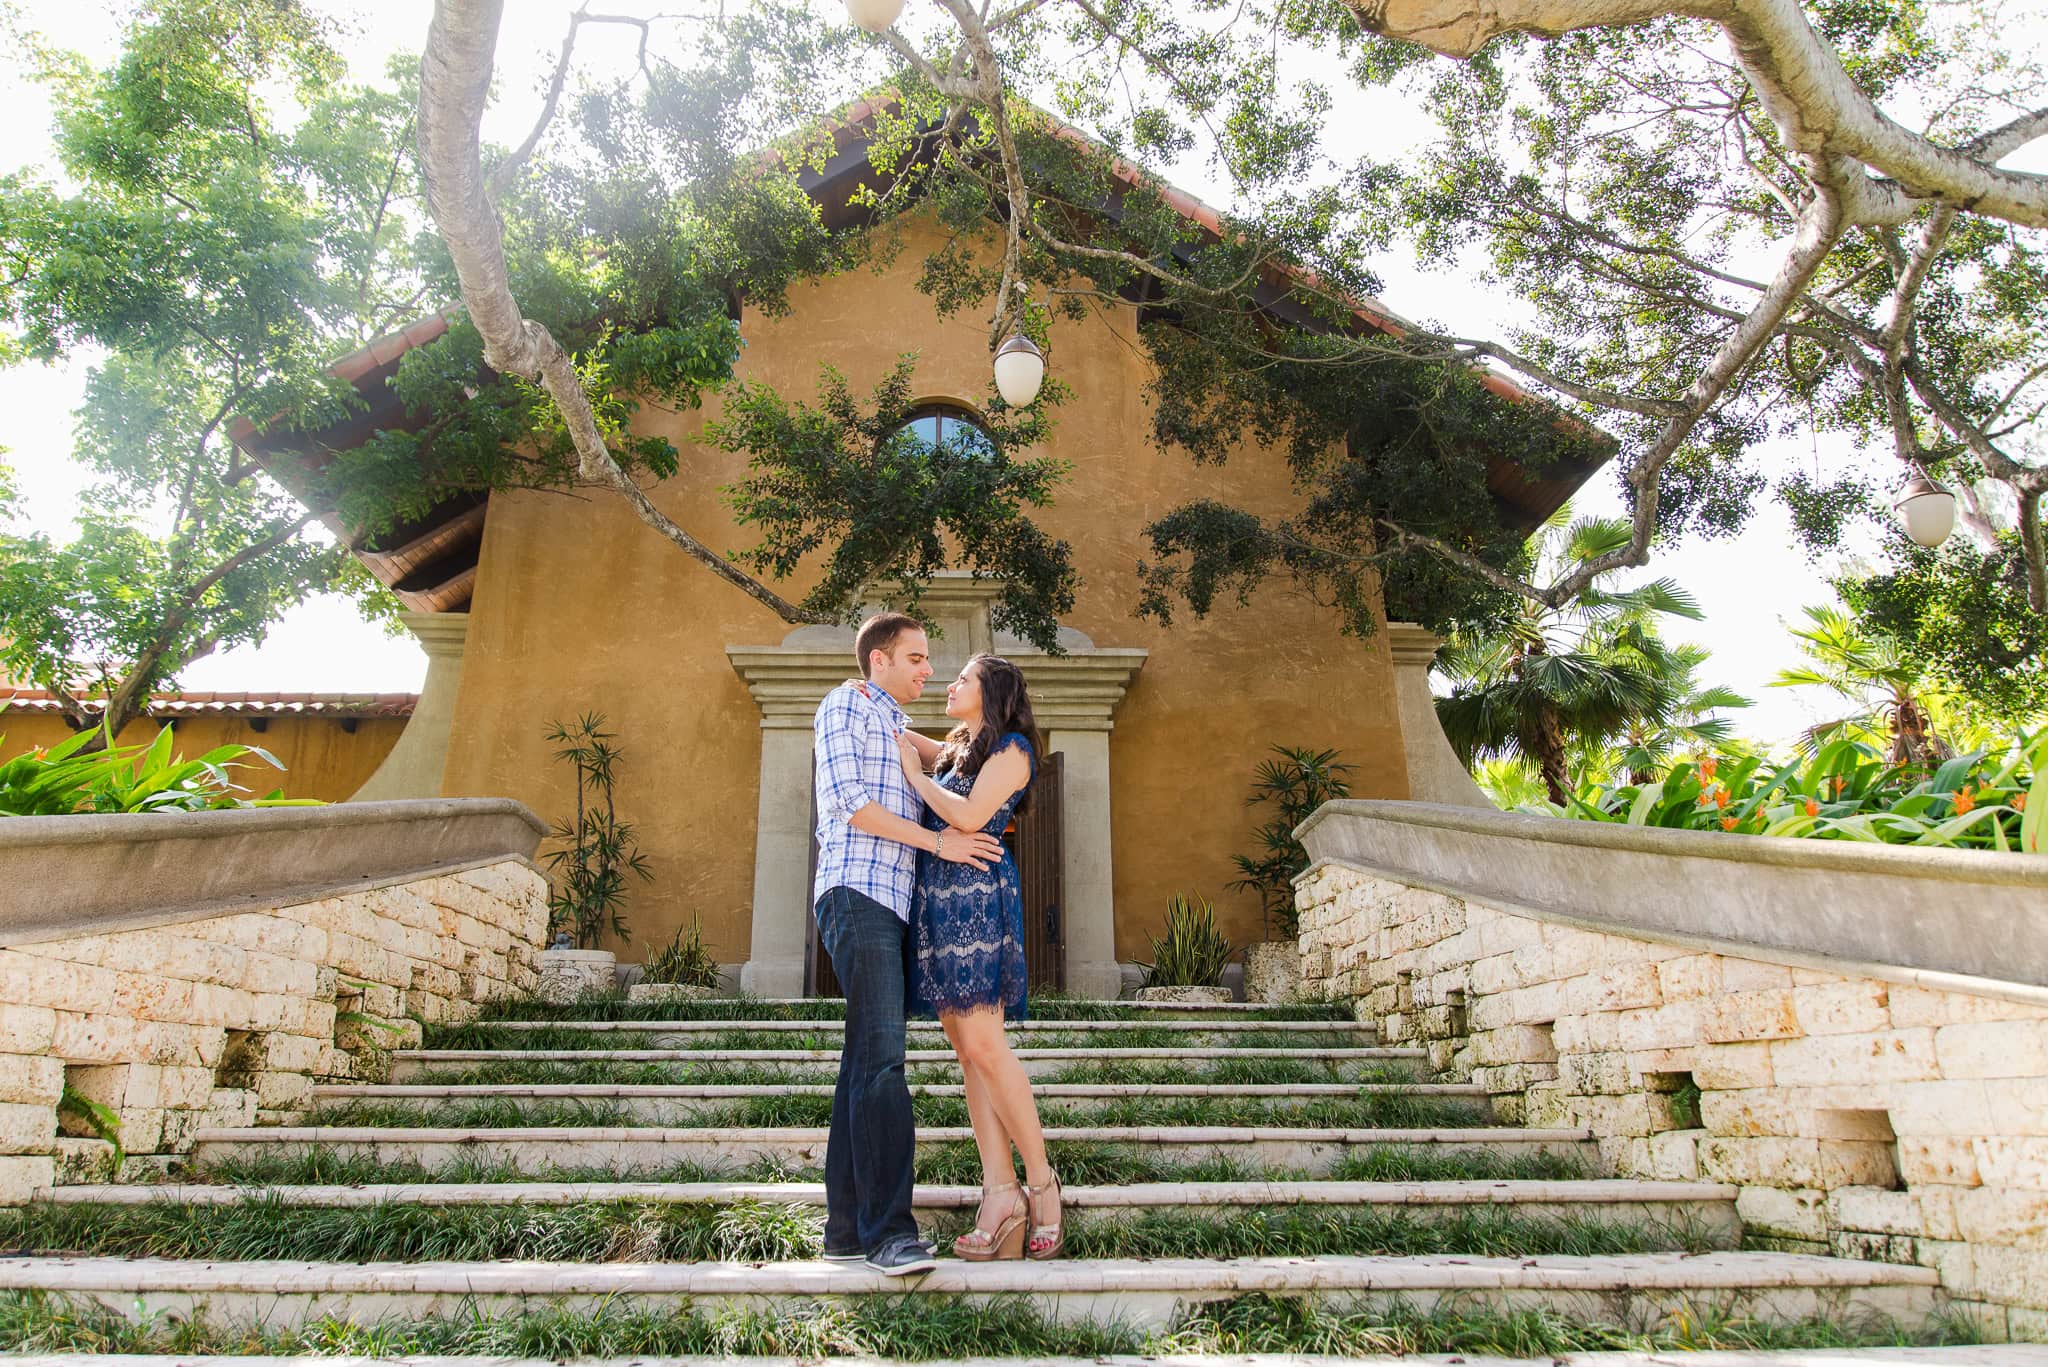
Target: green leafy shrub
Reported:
[(145, 777), (597, 852), (1193, 952), (1845, 790), (684, 961), (1297, 783)]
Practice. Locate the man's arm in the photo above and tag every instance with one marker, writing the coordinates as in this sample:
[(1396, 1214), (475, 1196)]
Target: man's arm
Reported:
[(842, 794), (960, 847)]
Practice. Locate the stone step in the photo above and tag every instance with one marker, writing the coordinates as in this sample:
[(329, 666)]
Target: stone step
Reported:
[(1143, 1294), (627, 1149), (1166, 1010), (409, 1063), (1704, 1208), (1208, 1033), (1991, 1355), (658, 1103)]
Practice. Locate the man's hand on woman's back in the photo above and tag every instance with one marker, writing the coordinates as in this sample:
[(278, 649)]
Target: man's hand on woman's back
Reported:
[(978, 848)]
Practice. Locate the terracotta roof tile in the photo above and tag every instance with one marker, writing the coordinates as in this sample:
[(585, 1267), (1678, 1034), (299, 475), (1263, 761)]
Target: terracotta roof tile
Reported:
[(161, 705)]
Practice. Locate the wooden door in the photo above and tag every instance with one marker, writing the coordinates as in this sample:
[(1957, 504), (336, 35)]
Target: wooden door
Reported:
[(1039, 850)]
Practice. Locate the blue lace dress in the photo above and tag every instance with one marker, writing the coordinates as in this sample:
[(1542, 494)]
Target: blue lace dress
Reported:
[(967, 924)]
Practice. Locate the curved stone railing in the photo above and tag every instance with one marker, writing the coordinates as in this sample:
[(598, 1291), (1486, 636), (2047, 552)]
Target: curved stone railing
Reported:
[(76, 875), (1854, 1036), (209, 968), (1874, 907)]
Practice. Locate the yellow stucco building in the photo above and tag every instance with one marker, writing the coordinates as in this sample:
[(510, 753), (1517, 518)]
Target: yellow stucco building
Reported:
[(539, 606)]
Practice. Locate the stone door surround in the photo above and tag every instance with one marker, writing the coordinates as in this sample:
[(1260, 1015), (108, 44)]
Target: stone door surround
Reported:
[(1074, 696)]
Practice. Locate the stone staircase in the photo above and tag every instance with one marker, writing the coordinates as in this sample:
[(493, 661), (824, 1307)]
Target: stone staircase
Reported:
[(576, 1181)]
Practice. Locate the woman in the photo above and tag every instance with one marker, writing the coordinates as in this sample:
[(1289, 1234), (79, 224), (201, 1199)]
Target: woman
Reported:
[(967, 934)]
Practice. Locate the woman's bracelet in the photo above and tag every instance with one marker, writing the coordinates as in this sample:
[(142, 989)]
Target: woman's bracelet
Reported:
[(939, 846)]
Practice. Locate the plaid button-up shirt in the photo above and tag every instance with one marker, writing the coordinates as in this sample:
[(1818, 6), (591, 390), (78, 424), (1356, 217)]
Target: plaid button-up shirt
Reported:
[(857, 764)]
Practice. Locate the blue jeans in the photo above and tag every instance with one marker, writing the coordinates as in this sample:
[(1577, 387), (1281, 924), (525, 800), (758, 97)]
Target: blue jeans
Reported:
[(869, 1158)]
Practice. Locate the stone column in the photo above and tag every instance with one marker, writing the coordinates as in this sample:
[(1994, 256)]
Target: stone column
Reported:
[(1090, 909), (782, 860), (415, 764), (1434, 771)]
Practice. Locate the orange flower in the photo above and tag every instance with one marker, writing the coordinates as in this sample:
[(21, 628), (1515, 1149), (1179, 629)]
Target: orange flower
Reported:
[(1707, 767), (1728, 823), (1966, 801), (2019, 802), (1706, 797), (1812, 807), (1720, 797), (1840, 783)]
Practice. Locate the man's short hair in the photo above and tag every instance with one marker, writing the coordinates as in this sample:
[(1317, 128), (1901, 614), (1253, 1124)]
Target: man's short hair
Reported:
[(879, 633)]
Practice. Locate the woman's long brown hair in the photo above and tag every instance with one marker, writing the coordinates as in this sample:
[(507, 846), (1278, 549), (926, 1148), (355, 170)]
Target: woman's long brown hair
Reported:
[(1005, 707)]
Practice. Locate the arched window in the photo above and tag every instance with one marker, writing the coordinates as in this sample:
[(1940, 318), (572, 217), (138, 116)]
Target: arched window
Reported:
[(936, 426)]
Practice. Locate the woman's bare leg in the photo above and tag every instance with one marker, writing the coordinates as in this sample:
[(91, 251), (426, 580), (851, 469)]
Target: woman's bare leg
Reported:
[(978, 1038), (990, 1137), (991, 1140)]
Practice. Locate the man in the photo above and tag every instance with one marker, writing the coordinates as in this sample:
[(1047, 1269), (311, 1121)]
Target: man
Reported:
[(868, 838)]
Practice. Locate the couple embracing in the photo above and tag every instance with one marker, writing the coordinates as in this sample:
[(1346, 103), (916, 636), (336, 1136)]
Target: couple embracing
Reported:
[(918, 904)]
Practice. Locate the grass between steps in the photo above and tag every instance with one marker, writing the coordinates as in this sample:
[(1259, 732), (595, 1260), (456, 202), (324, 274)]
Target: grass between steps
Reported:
[(599, 1072), (917, 1328), (1372, 1110), (751, 1230), (492, 1035), (614, 1007), (947, 1165)]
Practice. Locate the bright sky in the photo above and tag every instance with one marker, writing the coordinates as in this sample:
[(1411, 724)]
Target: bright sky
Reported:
[(1748, 587)]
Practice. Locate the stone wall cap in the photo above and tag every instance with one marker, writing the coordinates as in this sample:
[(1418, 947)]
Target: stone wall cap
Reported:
[(1975, 866), (94, 874), (92, 828)]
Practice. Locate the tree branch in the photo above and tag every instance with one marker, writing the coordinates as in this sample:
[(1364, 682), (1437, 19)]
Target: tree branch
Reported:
[(1800, 80), (455, 77)]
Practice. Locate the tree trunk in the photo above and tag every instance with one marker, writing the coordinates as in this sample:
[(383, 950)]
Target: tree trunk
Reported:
[(1546, 743), (1911, 743), (455, 83)]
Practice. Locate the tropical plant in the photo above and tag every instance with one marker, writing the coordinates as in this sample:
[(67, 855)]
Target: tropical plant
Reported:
[(1865, 669), (1296, 783), (1847, 789), (596, 850), (1193, 952), (1549, 677), (1692, 724), (72, 777), (97, 1119), (683, 961), (1513, 783)]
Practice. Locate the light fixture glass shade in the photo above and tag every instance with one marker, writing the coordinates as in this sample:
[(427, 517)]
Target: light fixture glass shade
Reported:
[(1020, 370), (873, 15), (1926, 510)]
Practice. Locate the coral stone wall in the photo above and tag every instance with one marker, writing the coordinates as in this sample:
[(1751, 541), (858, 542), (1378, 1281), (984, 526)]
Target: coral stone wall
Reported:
[(1871, 1118), (230, 1020)]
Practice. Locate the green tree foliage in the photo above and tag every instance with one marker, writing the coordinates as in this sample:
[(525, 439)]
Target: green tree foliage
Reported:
[(1634, 188), (1589, 673), (1960, 614), (214, 255), (883, 503), (234, 214)]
